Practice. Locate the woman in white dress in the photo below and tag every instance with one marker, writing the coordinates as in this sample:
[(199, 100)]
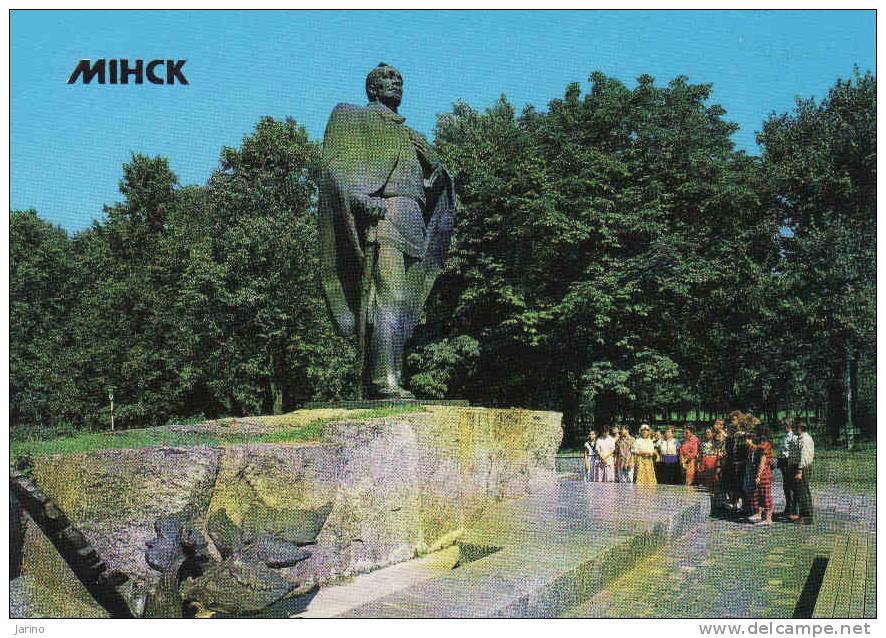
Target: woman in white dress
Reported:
[(591, 457)]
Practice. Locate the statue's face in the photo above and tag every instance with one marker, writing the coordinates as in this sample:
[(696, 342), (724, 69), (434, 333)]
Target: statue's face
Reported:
[(388, 87)]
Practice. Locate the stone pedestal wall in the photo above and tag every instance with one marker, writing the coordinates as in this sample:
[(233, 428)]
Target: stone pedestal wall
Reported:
[(369, 493)]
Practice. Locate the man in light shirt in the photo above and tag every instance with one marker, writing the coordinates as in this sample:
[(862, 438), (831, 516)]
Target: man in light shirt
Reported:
[(801, 478), (788, 460), (669, 449), (591, 457), (606, 458)]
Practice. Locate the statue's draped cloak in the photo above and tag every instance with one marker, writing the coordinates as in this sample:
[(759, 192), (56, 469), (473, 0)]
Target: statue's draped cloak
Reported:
[(361, 148)]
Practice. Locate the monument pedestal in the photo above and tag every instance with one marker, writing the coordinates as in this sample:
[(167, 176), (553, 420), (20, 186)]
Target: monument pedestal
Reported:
[(367, 493)]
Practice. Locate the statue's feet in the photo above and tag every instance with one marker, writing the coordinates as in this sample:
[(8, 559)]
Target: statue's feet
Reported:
[(392, 392)]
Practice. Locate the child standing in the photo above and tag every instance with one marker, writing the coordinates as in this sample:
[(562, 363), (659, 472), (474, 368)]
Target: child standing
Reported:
[(762, 495)]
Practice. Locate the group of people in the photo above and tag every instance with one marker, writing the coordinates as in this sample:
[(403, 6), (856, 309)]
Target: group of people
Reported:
[(734, 462)]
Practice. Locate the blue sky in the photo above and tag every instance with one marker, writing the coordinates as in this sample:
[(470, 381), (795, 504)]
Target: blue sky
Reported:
[(68, 142)]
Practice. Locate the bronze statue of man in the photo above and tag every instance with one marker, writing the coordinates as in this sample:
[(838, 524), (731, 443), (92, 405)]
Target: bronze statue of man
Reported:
[(385, 216)]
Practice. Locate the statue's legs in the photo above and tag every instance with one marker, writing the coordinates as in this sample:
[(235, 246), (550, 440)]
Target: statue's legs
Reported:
[(390, 329)]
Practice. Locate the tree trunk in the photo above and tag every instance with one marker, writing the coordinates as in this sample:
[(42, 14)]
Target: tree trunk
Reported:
[(572, 433), (851, 389), (834, 416)]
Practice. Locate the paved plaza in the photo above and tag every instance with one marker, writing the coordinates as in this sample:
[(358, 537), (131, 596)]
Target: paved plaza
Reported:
[(611, 550), (541, 555), (727, 568)]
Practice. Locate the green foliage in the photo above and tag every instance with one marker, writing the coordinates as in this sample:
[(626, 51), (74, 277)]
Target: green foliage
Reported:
[(443, 366), (185, 301), (260, 316), (122, 332), (596, 240), (820, 162), (40, 297)]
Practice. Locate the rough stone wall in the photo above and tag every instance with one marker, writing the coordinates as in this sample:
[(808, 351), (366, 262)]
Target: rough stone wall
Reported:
[(380, 491), (114, 496), (46, 586)]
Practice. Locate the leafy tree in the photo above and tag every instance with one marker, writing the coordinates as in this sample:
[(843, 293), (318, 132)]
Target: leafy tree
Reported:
[(444, 367), (260, 319), (595, 240), (820, 162), (40, 295), (613, 255), (122, 330)]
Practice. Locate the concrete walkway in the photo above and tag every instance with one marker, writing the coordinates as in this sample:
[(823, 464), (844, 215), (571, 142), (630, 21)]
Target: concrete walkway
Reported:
[(609, 550)]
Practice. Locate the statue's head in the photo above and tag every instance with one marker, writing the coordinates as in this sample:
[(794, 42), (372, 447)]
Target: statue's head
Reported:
[(385, 84)]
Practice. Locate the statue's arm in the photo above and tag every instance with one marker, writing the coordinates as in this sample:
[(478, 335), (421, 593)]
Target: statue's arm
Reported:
[(345, 161), (426, 151)]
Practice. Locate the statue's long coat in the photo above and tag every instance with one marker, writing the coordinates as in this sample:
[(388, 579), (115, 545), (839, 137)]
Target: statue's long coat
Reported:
[(361, 148)]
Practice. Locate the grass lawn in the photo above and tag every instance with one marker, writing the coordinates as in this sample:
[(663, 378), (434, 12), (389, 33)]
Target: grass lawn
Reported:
[(855, 469), (287, 428)]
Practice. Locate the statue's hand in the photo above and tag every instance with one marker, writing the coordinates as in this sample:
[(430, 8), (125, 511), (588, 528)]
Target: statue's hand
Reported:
[(372, 207)]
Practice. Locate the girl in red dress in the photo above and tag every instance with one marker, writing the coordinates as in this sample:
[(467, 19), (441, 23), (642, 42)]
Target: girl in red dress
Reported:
[(762, 495)]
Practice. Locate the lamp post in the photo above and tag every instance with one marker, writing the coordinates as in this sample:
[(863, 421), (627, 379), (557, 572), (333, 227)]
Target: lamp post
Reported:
[(850, 425), (111, 399)]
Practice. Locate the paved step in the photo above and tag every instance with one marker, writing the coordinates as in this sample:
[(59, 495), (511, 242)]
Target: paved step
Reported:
[(543, 554), (363, 589)]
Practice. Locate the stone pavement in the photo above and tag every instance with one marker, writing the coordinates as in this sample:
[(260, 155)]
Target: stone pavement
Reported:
[(727, 568), (609, 550), (541, 555), (364, 588)]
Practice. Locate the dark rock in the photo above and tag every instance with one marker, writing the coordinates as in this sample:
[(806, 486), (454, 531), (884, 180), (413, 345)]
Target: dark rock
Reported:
[(236, 587), (178, 541), (300, 526), (225, 535), (113, 578), (273, 552), (164, 599), (16, 536)]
